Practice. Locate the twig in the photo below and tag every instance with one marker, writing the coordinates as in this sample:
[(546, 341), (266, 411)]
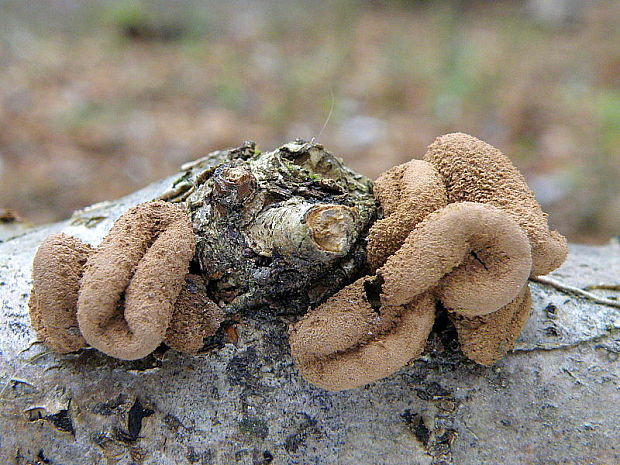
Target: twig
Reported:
[(604, 287), (575, 290)]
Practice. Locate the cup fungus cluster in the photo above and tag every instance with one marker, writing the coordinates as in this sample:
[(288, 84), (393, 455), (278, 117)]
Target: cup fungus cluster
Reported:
[(128, 295), (461, 229)]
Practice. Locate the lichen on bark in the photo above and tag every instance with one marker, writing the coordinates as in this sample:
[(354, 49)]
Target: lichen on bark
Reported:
[(282, 229)]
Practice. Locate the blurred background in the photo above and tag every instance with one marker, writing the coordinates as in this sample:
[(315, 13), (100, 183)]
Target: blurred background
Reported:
[(99, 98)]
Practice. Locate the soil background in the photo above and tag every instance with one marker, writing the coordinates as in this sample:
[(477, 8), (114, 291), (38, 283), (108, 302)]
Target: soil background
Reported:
[(100, 98)]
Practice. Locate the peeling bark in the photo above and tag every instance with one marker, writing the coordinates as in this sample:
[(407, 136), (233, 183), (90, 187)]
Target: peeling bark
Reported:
[(553, 399)]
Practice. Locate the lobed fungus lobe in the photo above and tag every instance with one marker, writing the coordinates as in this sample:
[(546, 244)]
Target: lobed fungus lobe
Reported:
[(194, 317), (476, 254), (57, 271), (143, 260), (346, 342), (407, 193), (474, 171)]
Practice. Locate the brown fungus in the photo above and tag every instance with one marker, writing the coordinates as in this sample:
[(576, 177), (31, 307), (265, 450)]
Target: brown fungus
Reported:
[(346, 342), (485, 339), (128, 295), (56, 273), (408, 193), (194, 318), (133, 278), (476, 254), (474, 171), (460, 227), (376, 325)]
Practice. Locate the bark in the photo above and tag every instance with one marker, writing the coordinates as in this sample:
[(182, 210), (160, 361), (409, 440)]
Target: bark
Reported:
[(554, 399), (281, 229)]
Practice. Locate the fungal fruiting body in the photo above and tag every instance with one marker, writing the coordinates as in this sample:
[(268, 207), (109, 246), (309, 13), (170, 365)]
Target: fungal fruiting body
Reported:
[(128, 295), (461, 228)]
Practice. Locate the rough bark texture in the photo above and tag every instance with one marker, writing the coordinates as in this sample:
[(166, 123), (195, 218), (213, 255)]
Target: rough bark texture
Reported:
[(281, 229), (554, 399)]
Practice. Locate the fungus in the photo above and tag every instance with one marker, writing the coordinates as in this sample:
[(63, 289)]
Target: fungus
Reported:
[(195, 317), (140, 264), (476, 254), (474, 171), (485, 339), (56, 273), (376, 325), (460, 227), (346, 343), (408, 193), (121, 297)]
